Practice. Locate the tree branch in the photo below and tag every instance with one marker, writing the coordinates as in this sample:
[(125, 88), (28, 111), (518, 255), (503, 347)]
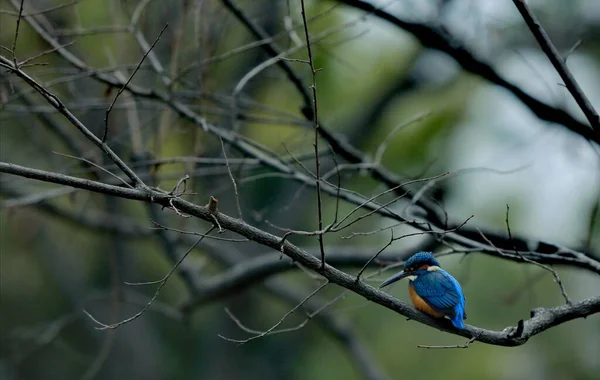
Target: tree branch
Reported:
[(434, 39), (559, 64), (57, 103), (541, 320)]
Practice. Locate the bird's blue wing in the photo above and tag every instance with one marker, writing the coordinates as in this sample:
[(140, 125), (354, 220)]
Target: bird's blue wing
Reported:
[(440, 290)]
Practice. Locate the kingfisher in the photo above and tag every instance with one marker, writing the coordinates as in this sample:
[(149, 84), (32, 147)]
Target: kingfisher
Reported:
[(432, 290)]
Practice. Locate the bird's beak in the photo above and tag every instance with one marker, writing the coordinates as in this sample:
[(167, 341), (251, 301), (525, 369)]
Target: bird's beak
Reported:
[(394, 278)]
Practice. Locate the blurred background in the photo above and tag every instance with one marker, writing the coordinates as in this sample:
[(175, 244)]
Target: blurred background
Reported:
[(412, 109)]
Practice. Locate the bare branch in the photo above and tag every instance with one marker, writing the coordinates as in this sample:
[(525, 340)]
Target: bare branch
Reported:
[(546, 267), (559, 64), (109, 109), (161, 282), (56, 102), (466, 345), (440, 40), (542, 319), (235, 188), (14, 44), (271, 330)]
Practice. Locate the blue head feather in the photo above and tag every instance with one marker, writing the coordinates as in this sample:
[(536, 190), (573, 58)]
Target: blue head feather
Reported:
[(421, 258)]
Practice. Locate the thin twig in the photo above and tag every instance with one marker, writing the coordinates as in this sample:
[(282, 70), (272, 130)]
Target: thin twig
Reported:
[(163, 281), (373, 210), (14, 44), (315, 117), (385, 142), (466, 345), (360, 272), (127, 83), (194, 233), (393, 239), (546, 267), (24, 62), (91, 163), (270, 330), (235, 188), (38, 13)]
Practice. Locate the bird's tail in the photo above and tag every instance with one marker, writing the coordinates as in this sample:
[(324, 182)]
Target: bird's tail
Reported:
[(457, 319)]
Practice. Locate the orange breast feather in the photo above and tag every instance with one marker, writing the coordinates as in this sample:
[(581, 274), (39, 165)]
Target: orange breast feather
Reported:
[(421, 305)]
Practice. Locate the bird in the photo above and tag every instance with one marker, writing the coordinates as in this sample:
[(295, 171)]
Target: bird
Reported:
[(432, 290)]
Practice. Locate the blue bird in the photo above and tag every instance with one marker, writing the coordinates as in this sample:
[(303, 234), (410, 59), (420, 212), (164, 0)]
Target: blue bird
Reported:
[(432, 290)]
